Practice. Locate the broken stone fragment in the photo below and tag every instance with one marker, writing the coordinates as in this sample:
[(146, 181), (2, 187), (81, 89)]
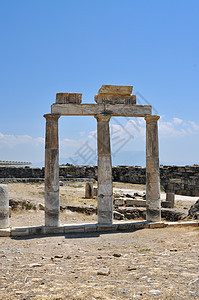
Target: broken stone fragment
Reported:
[(115, 94), (116, 89), (117, 215), (117, 254), (103, 271), (194, 211)]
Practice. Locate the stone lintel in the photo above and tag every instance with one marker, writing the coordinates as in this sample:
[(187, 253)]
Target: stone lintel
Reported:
[(118, 110)]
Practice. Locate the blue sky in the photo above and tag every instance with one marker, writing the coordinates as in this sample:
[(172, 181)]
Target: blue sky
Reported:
[(76, 46)]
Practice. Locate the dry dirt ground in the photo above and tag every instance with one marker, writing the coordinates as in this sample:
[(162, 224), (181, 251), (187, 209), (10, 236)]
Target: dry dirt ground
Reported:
[(144, 264)]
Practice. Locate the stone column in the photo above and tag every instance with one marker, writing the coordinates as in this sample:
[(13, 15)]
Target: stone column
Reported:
[(4, 206), (105, 188), (52, 206), (89, 190), (153, 203)]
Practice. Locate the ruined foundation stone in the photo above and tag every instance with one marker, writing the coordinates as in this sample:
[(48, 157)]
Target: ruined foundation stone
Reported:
[(4, 206)]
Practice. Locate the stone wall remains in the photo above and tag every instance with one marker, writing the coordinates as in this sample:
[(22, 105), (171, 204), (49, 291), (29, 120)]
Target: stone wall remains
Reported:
[(183, 180)]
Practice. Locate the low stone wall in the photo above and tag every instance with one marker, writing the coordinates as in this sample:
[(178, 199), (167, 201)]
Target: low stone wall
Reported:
[(181, 180)]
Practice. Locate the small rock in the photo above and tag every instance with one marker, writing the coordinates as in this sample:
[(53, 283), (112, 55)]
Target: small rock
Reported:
[(117, 215), (35, 265), (103, 271), (20, 292), (61, 183), (137, 195), (41, 206), (99, 257), (58, 256), (129, 268), (68, 257), (117, 254), (130, 196), (173, 250), (36, 279), (155, 292)]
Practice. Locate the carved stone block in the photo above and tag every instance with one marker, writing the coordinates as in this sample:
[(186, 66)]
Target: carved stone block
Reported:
[(64, 98)]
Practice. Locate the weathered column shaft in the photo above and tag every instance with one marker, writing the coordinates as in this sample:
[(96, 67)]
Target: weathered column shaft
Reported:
[(52, 205), (153, 203), (105, 188), (4, 206), (89, 190)]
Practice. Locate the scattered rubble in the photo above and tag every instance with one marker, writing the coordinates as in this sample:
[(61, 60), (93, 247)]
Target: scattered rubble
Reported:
[(194, 211)]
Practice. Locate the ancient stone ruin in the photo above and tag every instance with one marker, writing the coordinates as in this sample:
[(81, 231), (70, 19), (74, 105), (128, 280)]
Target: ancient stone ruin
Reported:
[(111, 100)]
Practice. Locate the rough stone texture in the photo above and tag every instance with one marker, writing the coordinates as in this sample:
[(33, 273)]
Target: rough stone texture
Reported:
[(115, 99), (116, 89), (170, 198), (194, 210), (115, 94), (52, 205), (89, 190), (140, 212), (65, 98), (153, 203), (95, 192), (118, 110), (105, 188), (183, 180), (4, 206)]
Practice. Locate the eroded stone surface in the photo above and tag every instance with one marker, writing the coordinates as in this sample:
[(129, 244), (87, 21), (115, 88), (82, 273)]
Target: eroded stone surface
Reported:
[(115, 94), (4, 206), (65, 98)]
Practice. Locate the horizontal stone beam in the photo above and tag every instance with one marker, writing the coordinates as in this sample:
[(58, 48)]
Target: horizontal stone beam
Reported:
[(101, 109)]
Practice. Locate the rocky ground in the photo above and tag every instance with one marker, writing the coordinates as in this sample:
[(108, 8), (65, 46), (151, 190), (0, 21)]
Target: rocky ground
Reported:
[(144, 264)]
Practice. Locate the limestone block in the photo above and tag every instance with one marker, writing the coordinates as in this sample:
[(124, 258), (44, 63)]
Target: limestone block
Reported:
[(135, 202), (115, 94), (4, 206), (64, 98), (170, 197), (119, 202), (115, 99), (116, 89)]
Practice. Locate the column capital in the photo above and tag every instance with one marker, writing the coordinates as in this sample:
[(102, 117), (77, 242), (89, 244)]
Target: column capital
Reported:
[(102, 118), (52, 116), (151, 118)]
